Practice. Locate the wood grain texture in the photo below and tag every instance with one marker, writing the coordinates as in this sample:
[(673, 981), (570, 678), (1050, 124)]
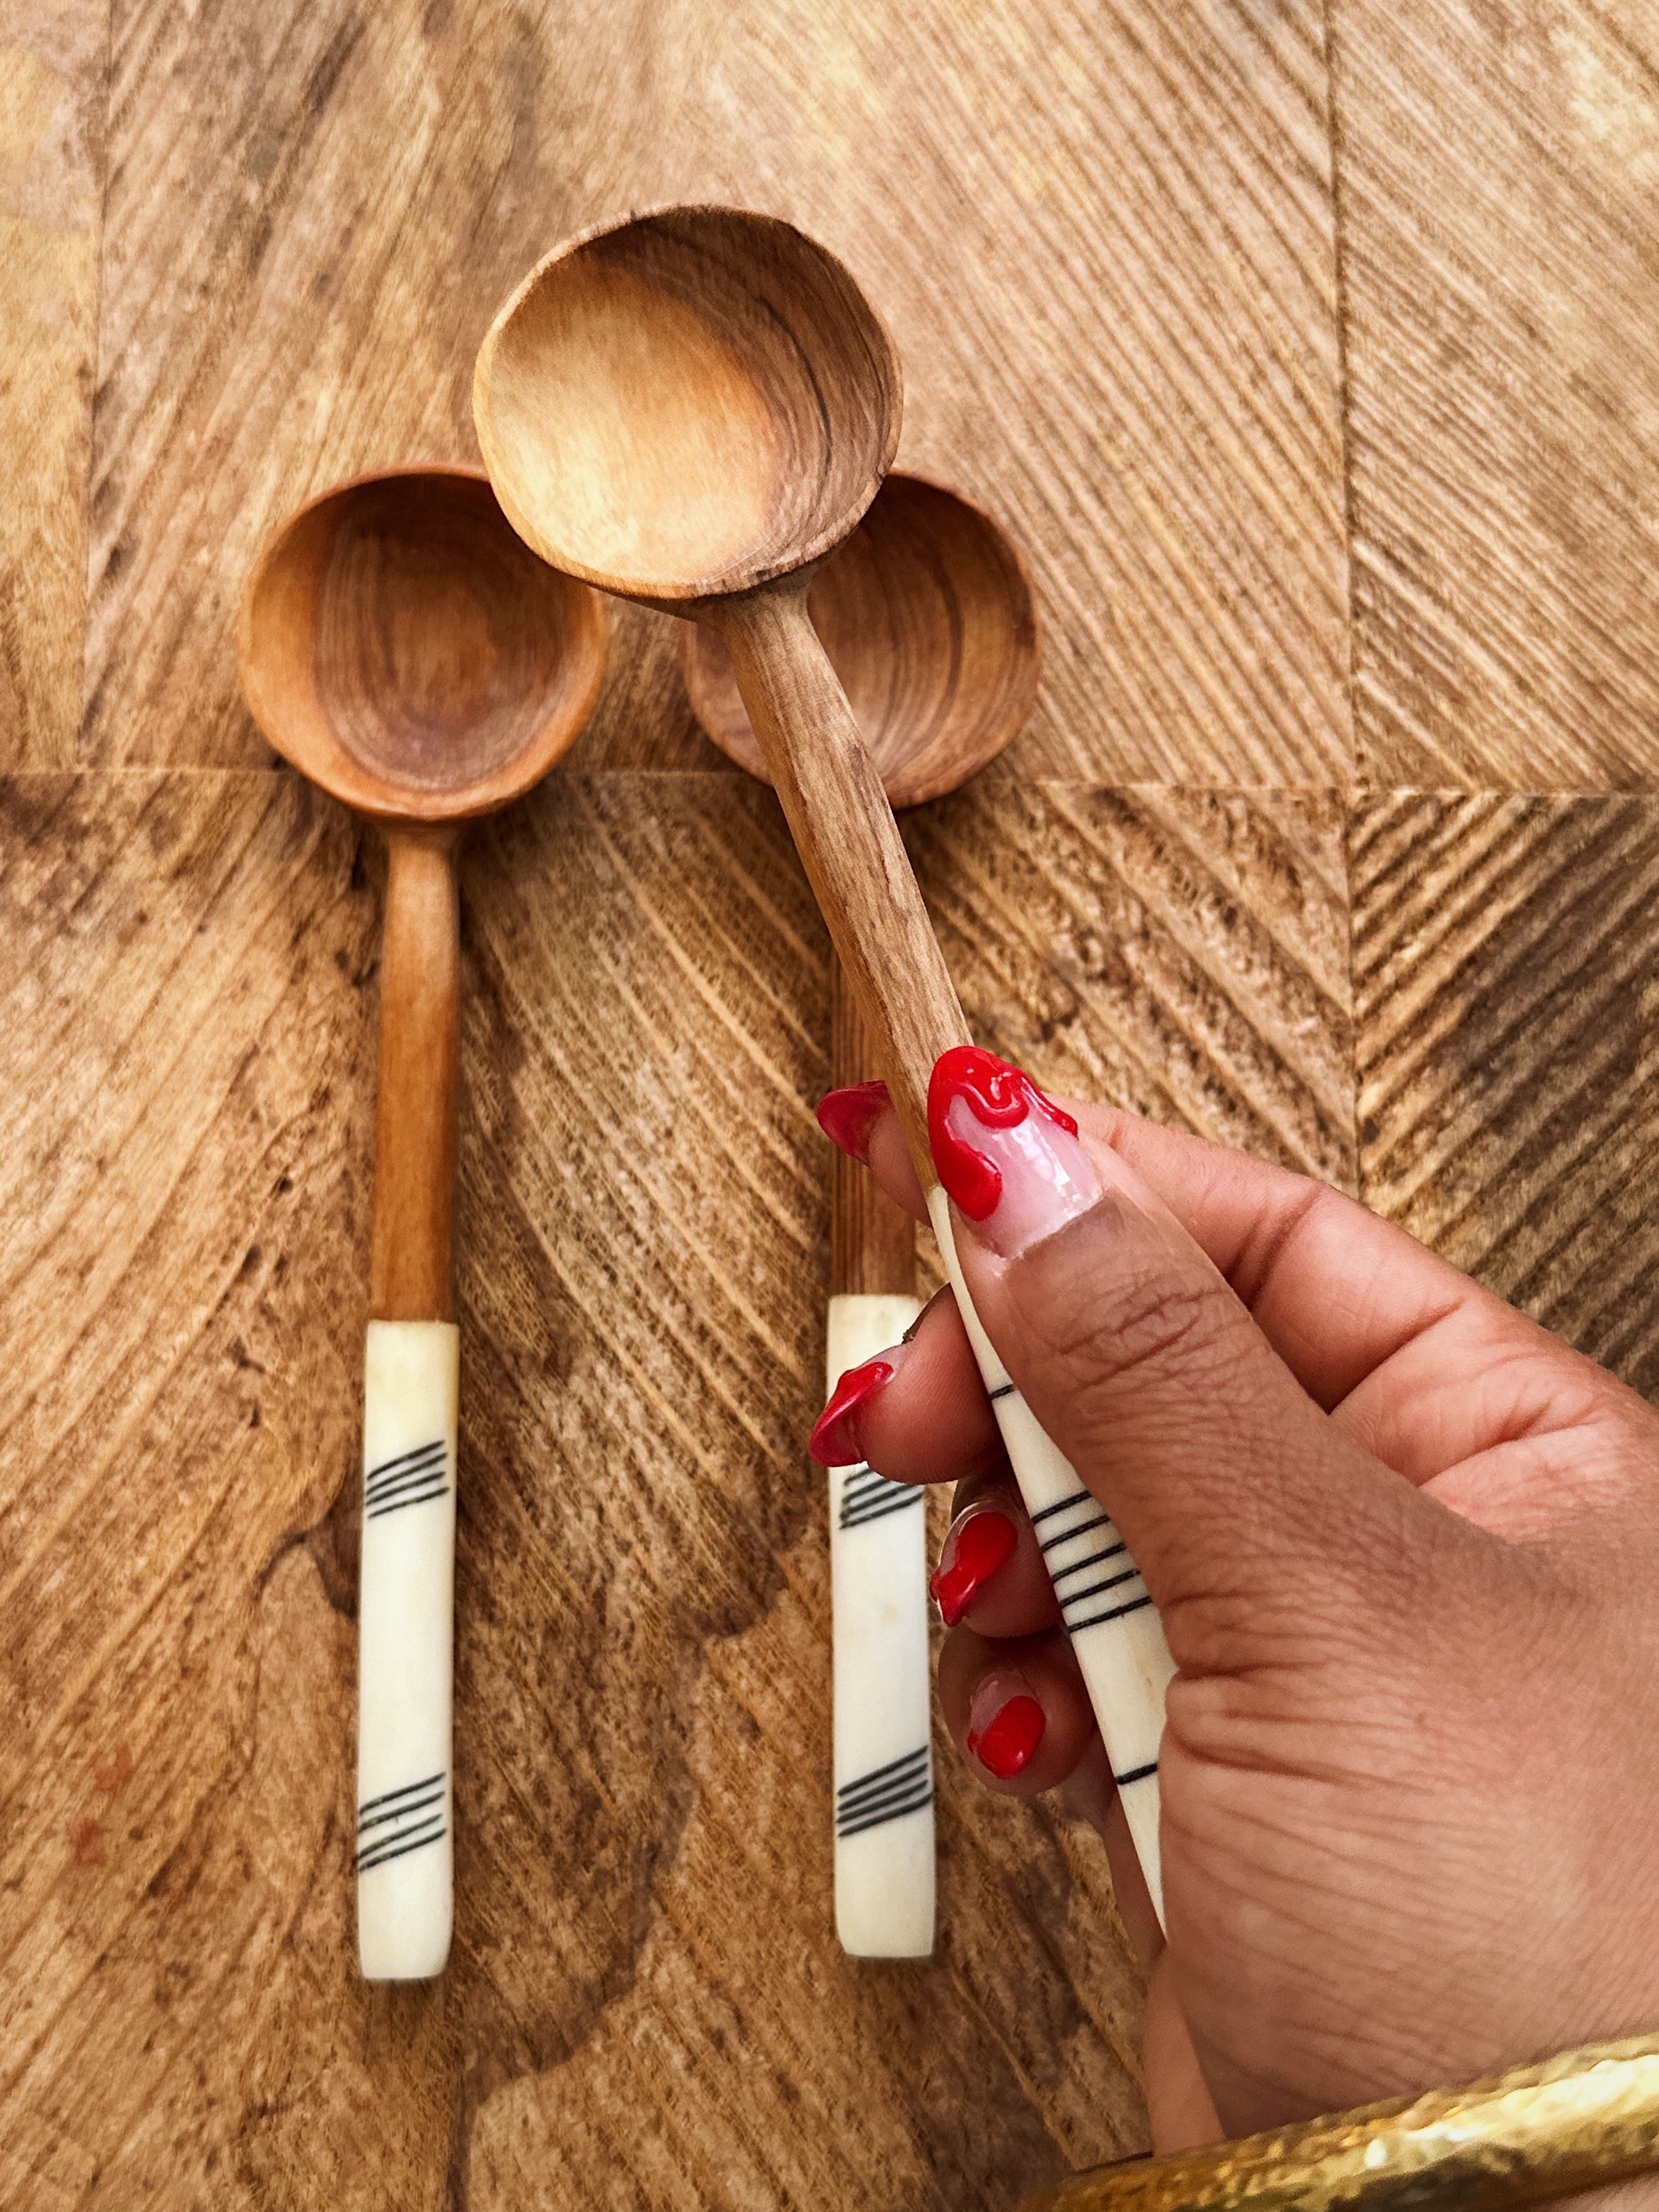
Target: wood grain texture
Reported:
[(1498, 159), (1135, 362), (646, 2002), (686, 404), (411, 1251), (1181, 953), (52, 62), (1507, 1028)]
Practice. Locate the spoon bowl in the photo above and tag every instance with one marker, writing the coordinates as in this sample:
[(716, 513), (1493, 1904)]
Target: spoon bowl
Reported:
[(926, 613), (403, 648), (687, 404)]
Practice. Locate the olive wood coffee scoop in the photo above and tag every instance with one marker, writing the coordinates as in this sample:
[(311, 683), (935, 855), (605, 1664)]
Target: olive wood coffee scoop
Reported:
[(692, 408), (926, 614), (401, 648)]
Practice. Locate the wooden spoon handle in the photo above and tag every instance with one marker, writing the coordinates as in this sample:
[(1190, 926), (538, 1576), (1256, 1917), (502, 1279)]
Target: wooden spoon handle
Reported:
[(415, 1110), (848, 842), (885, 1874), (405, 1617), (850, 845)]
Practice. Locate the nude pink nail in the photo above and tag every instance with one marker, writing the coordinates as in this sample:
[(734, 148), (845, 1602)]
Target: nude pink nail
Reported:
[(1010, 1158)]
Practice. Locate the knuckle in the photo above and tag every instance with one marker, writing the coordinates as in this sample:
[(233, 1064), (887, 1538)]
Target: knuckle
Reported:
[(1147, 1322)]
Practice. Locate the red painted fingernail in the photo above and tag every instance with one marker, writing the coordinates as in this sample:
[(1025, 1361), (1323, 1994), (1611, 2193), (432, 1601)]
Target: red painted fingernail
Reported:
[(833, 1442), (973, 1551), (1010, 1158), (847, 1116), (1006, 1743)]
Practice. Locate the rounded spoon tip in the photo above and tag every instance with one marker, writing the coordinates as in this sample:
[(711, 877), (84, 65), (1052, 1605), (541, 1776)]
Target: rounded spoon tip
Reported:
[(688, 403), (400, 646)]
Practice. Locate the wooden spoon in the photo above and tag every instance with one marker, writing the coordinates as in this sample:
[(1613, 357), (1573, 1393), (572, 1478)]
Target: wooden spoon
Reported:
[(400, 647), (691, 410), (926, 614)]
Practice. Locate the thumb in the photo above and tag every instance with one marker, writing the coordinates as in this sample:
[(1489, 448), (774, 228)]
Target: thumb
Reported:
[(1251, 1514)]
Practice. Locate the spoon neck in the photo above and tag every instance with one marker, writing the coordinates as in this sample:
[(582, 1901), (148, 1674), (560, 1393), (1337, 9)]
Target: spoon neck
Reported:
[(421, 847), (410, 1272), (764, 609), (850, 847)]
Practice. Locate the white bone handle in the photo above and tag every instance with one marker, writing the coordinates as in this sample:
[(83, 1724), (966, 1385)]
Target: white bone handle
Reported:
[(883, 1760), (405, 1646), (1106, 1607)]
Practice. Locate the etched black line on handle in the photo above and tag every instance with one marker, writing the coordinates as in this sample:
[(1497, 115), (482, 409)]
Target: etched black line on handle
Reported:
[(1101, 1542), (435, 1472), (414, 1477), (412, 1817), (417, 1498), (1117, 1612), (1086, 1566), (887, 1793), (1002, 1390), (1136, 1774), (1083, 1529), (399, 1847), (388, 1796), (398, 1812), (1063, 1504), (1131, 1574), (406, 1459), (868, 1495)]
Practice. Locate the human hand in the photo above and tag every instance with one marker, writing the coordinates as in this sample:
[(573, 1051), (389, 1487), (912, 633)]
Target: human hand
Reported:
[(1406, 1547)]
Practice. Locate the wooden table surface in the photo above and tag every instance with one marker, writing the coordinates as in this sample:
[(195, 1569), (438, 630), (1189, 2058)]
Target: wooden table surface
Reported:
[(1310, 352)]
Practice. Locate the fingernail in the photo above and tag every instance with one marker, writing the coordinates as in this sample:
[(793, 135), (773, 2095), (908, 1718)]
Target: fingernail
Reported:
[(1010, 1158), (915, 1329), (975, 1547), (846, 1116), (833, 1440), (1005, 1727)]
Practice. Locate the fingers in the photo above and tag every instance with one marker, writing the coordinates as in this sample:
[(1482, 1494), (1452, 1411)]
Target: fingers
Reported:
[(917, 1412), (1252, 1516), (991, 1572), (860, 1118), (1016, 1708), (1335, 1290)]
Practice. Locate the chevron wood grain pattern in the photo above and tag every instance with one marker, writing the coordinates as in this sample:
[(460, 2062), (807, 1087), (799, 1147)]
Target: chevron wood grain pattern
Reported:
[(1229, 308), (1507, 1023), (52, 127), (643, 1792), (1181, 953), (1135, 362), (1497, 173)]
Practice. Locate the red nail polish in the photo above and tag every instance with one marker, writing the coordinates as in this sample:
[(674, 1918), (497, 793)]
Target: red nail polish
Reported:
[(998, 1098), (1008, 1743), (846, 1116), (975, 1549), (833, 1442)]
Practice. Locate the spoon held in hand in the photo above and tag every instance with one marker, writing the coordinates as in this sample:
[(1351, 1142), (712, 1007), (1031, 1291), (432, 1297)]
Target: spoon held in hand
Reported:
[(692, 408)]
